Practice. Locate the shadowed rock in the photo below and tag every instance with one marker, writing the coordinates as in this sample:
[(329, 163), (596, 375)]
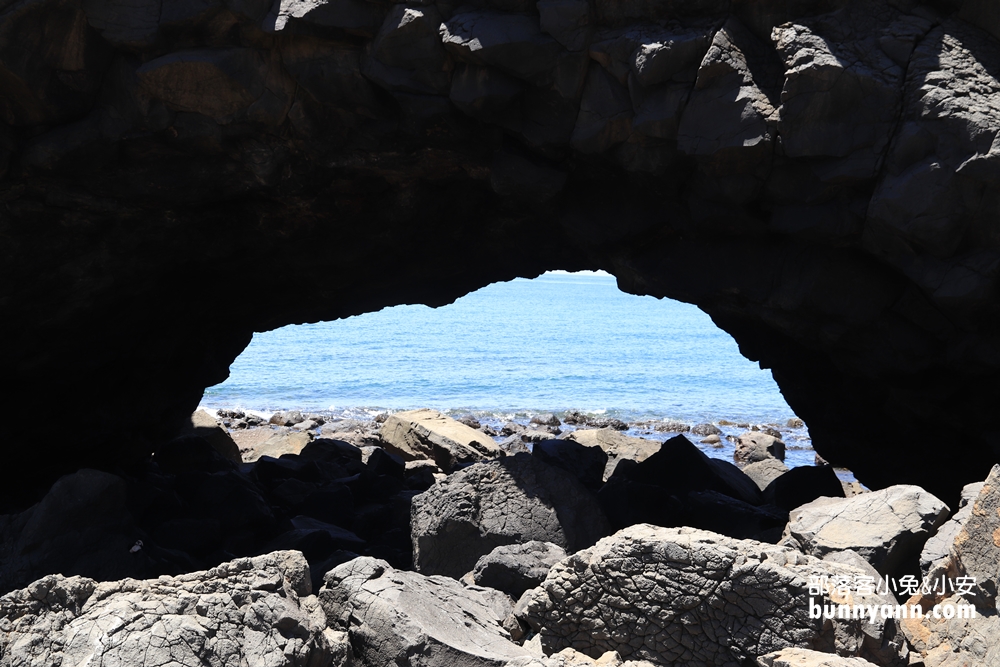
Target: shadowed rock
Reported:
[(515, 500)]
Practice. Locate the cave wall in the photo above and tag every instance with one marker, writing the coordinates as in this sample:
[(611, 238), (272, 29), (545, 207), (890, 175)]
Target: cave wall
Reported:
[(820, 177)]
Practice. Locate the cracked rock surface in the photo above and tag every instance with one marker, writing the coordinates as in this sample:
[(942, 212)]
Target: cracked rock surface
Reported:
[(254, 612), (887, 528), (685, 596), (511, 501), (405, 618)]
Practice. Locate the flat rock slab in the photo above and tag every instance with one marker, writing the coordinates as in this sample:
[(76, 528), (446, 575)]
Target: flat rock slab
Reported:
[(887, 527), (405, 618), (428, 434), (514, 500), (255, 612), (278, 444), (680, 596), (764, 472), (803, 657)]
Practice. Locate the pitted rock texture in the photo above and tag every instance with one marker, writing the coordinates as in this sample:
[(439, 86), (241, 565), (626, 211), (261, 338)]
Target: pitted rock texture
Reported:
[(684, 596), (887, 528), (405, 618), (511, 501), (258, 612), (835, 161)]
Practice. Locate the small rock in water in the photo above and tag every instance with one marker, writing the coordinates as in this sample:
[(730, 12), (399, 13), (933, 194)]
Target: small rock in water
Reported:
[(511, 428), (548, 419), (287, 418), (706, 430), (795, 422), (712, 440), (671, 427), (469, 421)]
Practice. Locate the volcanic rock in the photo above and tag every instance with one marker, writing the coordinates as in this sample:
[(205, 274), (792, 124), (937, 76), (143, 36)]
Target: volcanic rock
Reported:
[(683, 595), (616, 445), (205, 426), (887, 528), (250, 611), (391, 615), (427, 434), (514, 500), (515, 568), (754, 447), (764, 472)]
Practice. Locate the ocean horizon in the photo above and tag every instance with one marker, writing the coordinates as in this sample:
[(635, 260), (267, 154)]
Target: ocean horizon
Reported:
[(560, 342)]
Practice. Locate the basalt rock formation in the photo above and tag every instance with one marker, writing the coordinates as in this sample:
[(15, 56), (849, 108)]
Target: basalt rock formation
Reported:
[(820, 177)]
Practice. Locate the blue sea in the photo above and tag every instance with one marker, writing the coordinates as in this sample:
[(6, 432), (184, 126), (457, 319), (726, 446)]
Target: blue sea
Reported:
[(559, 342)]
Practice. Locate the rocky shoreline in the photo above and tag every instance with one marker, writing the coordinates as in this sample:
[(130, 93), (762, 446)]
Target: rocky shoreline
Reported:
[(417, 539)]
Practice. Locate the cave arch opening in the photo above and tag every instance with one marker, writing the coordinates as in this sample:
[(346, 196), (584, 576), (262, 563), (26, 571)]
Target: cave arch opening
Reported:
[(563, 343)]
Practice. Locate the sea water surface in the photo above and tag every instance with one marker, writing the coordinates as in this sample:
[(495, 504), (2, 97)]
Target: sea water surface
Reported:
[(556, 343), (561, 342)]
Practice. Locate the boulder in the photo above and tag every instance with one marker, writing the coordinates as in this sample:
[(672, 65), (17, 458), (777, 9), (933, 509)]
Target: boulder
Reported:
[(405, 618), (205, 426), (616, 445), (706, 429), (959, 624), (802, 485), (764, 472), (585, 463), (515, 568), (627, 502), (952, 642), (281, 443), (428, 434), (754, 446), (81, 527), (514, 500), (975, 551), (683, 468), (887, 528), (685, 596), (249, 611), (546, 419), (288, 418), (938, 545)]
